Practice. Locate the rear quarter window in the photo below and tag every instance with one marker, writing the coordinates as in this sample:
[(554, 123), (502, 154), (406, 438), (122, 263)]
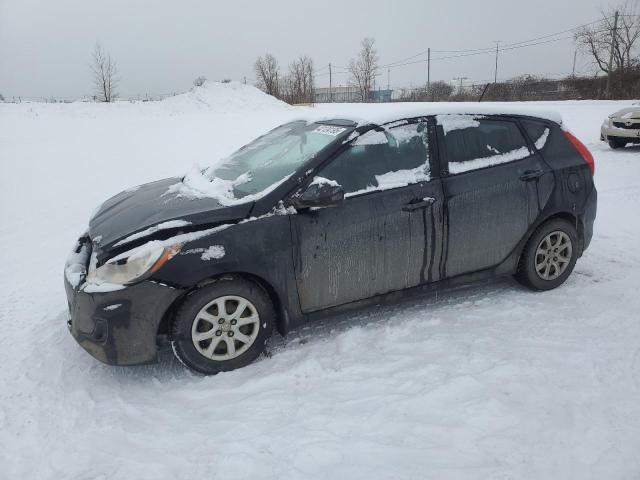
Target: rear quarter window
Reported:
[(557, 151), (538, 133)]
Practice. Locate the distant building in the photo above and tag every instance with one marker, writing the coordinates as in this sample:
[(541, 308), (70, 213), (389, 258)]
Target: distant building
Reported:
[(338, 94), (381, 95), (348, 95), (462, 85)]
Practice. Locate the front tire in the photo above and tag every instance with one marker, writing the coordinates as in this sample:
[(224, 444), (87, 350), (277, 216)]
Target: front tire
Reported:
[(222, 326), (616, 143), (549, 256)]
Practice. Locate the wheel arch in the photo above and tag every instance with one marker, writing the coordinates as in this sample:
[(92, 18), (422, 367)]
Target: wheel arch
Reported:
[(568, 216), (164, 327)]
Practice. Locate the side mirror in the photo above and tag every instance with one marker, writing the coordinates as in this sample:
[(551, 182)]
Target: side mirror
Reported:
[(325, 193)]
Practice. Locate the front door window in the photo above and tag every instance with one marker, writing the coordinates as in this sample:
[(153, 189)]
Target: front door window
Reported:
[(382, 159)]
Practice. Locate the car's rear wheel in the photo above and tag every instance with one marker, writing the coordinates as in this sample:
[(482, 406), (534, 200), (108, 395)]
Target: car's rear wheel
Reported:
[(222, 326), (549, 256), (615, 142)]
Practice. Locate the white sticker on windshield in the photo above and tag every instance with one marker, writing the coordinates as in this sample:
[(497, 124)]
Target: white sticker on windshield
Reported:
[(329, 130)]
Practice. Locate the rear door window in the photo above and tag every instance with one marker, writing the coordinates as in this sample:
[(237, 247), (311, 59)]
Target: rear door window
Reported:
[(474, 142)]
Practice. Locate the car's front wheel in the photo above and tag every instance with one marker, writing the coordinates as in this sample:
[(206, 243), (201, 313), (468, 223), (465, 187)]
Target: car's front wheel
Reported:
[(222, 326), (549, 256), (616, 143)]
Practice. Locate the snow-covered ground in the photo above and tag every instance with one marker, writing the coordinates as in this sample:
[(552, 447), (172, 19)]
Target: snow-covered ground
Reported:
[(490, 381)]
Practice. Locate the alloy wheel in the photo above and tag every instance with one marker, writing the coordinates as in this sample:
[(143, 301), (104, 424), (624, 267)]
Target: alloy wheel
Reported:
[(225, 328), (553, 255)]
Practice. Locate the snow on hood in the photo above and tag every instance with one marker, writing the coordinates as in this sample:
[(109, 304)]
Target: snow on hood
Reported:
[(143, 212), (171, 224), (196, 185), (627, 113)]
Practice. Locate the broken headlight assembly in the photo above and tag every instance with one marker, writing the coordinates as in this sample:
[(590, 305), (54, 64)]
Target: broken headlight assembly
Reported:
[(131, 266)]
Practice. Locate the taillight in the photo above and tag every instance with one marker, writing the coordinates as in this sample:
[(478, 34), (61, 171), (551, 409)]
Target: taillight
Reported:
[(582, 150)]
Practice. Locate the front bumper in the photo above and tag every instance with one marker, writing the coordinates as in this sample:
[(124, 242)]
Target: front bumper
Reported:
[(118, 327), (630, 134)]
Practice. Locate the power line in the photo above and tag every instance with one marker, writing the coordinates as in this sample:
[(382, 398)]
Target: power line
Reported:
[(405, 59), (555, 34), (482, 51), (327, 73)]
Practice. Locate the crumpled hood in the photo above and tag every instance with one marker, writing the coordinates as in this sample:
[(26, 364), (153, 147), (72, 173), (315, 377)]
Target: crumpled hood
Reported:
[(140, 208), (627, 113)]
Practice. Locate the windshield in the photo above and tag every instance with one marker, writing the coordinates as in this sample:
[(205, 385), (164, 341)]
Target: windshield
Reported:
[(272, 158)]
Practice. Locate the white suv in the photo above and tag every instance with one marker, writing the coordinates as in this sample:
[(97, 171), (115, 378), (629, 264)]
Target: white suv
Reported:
[(622, 127)]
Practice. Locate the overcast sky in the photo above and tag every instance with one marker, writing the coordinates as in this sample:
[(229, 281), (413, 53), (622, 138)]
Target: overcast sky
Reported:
[(161, 46)]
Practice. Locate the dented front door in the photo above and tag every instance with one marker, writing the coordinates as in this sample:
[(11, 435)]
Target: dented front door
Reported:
[(369, 245)]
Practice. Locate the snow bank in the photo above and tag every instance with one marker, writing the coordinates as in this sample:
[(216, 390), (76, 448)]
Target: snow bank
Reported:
[(231, 99), (222, 98)]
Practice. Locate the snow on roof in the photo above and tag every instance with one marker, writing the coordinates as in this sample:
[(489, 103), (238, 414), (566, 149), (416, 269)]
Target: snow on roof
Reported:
[(381, 113)]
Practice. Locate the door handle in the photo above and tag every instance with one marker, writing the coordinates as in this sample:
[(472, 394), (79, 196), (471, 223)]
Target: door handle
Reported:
[(531, 175), (418, 204)]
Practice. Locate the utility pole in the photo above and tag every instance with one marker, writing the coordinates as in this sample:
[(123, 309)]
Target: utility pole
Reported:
[(495, 77), (614, 34), (388, 79), (575, 55), (428, 69), (330, 85), (460, 79)]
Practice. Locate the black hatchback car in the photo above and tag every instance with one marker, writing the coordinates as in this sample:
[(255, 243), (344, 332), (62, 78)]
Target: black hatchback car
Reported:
[(319, 216)]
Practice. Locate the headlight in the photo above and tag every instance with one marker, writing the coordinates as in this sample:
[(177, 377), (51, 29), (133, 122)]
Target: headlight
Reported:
[(132, 265)]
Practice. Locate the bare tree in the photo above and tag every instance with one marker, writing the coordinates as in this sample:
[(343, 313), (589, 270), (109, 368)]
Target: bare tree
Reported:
[(105, 74), (267, 72), (363, 68), (199, 81), (439, 91), (597, 39), (300, 81)]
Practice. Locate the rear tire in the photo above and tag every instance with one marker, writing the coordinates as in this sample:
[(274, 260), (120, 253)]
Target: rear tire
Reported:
[(222, 326), (616, 143), (549, 256)]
